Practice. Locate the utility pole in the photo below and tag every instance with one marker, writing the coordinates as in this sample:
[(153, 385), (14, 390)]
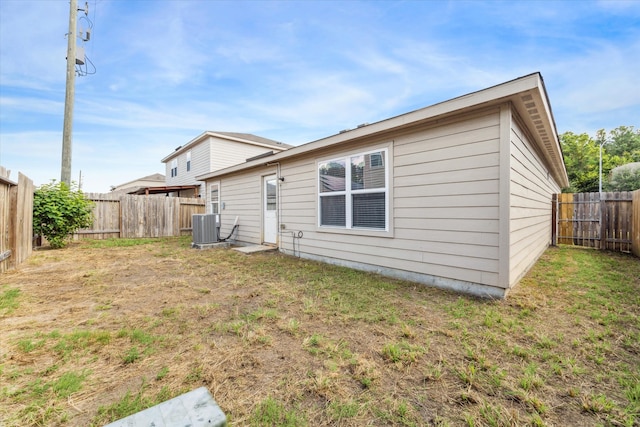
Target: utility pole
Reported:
[(67, 130)]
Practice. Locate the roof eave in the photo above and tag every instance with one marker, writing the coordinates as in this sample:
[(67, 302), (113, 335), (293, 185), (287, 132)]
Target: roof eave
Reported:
[(515, 91)]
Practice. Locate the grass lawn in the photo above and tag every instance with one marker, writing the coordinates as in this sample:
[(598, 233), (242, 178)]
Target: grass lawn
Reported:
[(99, 330)]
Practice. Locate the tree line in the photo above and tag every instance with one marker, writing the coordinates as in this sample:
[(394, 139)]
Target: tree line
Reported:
[(620, 160)]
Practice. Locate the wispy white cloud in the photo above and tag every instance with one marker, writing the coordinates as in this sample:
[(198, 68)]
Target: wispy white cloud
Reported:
[(33, 43), (291, 71), (14, 105)]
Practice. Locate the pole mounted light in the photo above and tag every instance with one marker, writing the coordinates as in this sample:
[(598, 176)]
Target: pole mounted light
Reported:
[(601, 141)]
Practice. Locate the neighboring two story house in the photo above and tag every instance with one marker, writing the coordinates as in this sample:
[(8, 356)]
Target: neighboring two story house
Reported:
[(213, 151)]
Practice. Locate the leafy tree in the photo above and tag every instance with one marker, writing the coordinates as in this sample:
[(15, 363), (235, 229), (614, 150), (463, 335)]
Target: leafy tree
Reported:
[(582, 153), (58, 211), (581, 156), (624, 142), (624, 178)]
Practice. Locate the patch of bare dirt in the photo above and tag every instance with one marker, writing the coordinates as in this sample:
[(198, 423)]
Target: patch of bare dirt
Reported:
[(160, 319)]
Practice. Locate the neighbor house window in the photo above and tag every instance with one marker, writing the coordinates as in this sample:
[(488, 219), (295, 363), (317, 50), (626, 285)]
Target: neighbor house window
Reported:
[(353, 191), (376, 160), (215, 198), (174, 168), (188, 161)]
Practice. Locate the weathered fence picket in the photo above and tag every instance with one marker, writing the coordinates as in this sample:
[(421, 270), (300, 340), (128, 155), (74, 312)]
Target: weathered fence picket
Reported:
[(135, 216), (16, 220), (607, 221)]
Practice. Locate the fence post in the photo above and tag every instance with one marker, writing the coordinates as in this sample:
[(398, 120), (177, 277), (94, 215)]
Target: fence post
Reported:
[(554, 220), (603, 221), (13, 226), (635, 223)]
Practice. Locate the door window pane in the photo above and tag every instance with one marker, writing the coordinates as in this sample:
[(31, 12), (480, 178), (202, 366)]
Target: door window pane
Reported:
[(271, 195)]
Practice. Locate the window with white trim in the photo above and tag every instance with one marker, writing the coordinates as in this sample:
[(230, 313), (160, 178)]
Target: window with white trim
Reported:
[(353, 192), (174, 168), (188, 161), (215, 198)]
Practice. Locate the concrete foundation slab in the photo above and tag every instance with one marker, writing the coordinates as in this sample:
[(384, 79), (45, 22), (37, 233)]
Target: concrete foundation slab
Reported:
[(194, 409), (210, 245), (255, 248)]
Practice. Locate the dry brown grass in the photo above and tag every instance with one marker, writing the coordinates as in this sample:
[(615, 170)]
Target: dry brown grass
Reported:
[(280, 340)]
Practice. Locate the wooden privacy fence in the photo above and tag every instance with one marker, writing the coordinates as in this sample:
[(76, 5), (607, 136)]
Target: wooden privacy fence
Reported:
[(608, 221), (16, 220), (132, 216)]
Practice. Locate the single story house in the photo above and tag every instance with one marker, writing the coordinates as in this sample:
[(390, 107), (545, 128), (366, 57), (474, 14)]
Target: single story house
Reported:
[(455, 195)]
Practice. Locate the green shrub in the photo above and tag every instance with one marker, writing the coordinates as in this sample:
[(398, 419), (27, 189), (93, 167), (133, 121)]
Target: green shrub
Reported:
[(58, 211)]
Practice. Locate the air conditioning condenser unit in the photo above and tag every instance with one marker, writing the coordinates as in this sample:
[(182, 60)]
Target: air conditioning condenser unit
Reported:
[(206, 228)]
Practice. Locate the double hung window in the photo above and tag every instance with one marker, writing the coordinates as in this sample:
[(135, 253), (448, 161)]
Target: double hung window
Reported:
[(188, 161), (174, 168), (215, 198), (353, 192)]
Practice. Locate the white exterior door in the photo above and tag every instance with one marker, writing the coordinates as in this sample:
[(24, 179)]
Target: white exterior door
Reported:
[(270, 210)]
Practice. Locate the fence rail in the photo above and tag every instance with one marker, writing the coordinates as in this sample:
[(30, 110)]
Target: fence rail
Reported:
[(607, 221), (132, 216), (16, 220)]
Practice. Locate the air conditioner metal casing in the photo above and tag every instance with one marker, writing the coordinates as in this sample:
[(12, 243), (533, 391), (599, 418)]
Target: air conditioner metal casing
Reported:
[(206, 228)]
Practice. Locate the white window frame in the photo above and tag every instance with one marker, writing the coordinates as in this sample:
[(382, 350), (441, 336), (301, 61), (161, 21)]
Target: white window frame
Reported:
[(213, 203), (188, 161), (348, 193), (174, 168)]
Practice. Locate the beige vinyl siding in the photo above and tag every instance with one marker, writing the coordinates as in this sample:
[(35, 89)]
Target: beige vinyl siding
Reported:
[(225, 153), (446, 197), (444, 201), (211, 154), (530, 203), (242, 197), (298, 199), (199, 160), (199, 165)]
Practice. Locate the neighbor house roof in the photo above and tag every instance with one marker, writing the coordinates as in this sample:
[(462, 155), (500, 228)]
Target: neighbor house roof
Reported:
[(153, 177), (527, 94), (165, 189), (245, 138), (134, 185)]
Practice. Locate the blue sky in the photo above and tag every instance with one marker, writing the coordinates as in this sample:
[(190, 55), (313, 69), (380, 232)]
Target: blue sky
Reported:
[(292, 71)]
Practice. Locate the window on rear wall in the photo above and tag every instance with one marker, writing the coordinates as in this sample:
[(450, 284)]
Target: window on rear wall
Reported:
[(174, 168), (215, 198), (353, 191), (188, 161)]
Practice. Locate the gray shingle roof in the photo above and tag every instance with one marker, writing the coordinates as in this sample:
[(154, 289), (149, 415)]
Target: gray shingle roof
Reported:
[(255, 138)]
